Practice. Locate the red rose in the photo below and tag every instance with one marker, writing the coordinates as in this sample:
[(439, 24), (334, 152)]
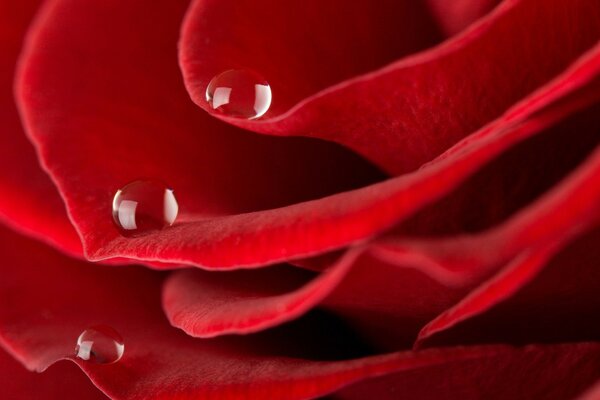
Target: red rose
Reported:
[(432, 231)]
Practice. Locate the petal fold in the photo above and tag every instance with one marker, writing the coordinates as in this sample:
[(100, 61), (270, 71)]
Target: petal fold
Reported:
[(207, 304), (18, 383)]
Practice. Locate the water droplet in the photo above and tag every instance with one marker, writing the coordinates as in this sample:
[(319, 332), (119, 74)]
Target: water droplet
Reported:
[(239, 93), (100, 344), (143, 206)]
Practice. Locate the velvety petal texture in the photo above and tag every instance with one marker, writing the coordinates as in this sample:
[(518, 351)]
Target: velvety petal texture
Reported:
[(405, 113)]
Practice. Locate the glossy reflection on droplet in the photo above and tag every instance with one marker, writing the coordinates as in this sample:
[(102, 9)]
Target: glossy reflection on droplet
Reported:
[(143, 206), (100, 344), (239, 93)]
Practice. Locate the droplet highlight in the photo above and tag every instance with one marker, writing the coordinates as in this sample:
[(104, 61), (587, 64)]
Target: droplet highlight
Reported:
[(240, 94), (100, 344), (143, 206)]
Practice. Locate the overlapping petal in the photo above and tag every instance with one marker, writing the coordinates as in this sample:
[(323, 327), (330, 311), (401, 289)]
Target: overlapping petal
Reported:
[(548, 294), (392, 292), (162, 363), (249, 200), (215, 228), (390, 302), (406, 113)]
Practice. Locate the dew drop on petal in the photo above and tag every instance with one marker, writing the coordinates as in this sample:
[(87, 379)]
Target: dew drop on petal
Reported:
[(143, 206), (239, 93), (100, 344)]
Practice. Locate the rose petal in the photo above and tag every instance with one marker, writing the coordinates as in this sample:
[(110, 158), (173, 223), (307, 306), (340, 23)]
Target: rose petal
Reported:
[(547, 294), (207, 304), (29, 201), (388, 304), (88, 183), (416, 107), (511, 182), (425, 276), (222, 35), (18, 383), (568, 208), (389, 298), (549, 373), (160, 362)]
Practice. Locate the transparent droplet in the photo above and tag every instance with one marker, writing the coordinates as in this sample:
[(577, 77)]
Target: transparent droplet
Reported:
[(100, 344), (143, 206), (239, 93)]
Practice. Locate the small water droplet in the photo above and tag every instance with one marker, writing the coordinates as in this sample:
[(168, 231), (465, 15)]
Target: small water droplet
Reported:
[(143, 206), (239, 93), (100, 344)]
